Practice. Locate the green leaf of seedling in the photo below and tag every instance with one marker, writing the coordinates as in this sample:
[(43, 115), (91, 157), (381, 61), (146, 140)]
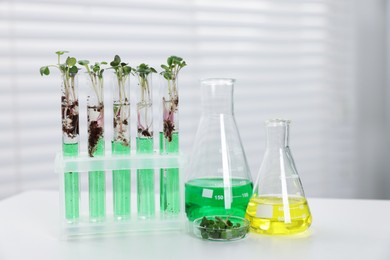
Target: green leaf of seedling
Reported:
[(165, 67), (169, 61), (61, 52), (172, 68), (73, 70), (101, 72), (142, 66), (167, 75), (63, 68), (143, 70), (71, 61), (127, 70), (44, 70), (83, 62), (176, 60), (95, 68), (123, 64), (103, 63), (117, 59)]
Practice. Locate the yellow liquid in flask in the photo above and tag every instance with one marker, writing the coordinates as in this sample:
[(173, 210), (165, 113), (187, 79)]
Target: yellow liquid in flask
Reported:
[(267, 215)]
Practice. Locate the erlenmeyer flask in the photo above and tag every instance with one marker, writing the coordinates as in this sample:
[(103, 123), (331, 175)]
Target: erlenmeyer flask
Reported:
[(219, 181), (278, 204)]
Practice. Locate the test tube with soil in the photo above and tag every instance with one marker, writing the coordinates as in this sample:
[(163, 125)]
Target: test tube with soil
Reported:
[(169, 136), (70, 129), (120, 144), (70, 142), (96, 146), (145, 177)]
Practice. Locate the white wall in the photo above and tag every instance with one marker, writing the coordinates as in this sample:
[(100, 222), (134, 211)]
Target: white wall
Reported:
[(373, 100), (387, 108), (319, 63)]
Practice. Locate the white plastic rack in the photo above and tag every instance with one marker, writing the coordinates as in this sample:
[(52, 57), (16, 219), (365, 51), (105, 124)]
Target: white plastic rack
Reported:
[(110, 225)]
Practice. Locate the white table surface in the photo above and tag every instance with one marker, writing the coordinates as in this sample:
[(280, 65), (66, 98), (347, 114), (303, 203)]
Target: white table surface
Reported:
[(341, 229)]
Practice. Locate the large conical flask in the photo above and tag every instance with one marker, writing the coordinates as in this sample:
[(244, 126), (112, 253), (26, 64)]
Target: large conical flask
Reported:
[(219, 181), (278, 204)]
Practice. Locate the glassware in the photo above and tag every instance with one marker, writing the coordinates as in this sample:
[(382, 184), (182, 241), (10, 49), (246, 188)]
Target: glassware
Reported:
[(219, 181), (220, 228), (96, 146), (145, 177), (70, 142), (278, 204), (169, 144), (120, 144)]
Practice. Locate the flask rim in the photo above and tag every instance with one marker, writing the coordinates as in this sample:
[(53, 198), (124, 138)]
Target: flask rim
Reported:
[(277, 122), (217, 81)]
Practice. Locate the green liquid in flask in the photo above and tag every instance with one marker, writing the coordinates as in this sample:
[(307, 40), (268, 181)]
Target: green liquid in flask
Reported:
[(205, 197), (267, 215), (169, 178), (121, 183), (97, 188), (145, 181), (71, 185)]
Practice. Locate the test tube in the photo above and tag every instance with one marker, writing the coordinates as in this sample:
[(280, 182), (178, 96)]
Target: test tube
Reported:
[(169, 144), (70, 143), (145, 177), (96, 147), (121, 144)]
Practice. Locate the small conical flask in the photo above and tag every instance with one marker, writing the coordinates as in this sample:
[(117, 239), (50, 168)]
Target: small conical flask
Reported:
[(219, 181), (278, 204)]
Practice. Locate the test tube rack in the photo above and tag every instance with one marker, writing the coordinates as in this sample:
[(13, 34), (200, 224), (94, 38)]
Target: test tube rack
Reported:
[(84, 227)]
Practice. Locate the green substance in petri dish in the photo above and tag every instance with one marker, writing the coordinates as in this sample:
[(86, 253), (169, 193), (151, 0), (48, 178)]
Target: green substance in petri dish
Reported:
[(220, 228), (97, 188), (121, 183), (71, 185), (205, 197), (145, 181), (169, 178)]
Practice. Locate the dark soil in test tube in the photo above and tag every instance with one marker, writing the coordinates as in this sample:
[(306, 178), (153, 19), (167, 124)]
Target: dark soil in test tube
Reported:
[(145, 132), (169, 126), (70, 117), (117, 122), (121, 122), (95, 132)]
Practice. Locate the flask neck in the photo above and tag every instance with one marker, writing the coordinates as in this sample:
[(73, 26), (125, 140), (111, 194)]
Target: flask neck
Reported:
[(277, 135), (217, 96)]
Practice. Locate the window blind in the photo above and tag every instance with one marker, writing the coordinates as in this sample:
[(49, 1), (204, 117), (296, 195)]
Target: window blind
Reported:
[(291, 59)]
